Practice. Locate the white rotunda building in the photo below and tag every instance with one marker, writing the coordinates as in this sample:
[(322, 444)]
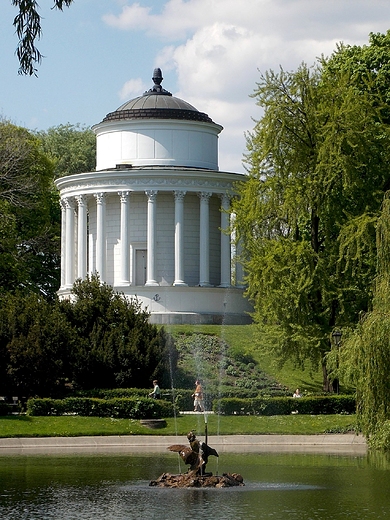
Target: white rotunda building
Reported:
[(152, 220)]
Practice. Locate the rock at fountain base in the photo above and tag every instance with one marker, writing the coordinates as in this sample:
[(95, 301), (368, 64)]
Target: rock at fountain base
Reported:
[(192, 480)]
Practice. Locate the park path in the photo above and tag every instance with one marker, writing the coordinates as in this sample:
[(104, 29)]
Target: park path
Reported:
[(327, 443)]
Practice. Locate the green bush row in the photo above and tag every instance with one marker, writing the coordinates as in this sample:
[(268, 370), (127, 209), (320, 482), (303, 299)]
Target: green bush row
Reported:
[(335, 404), (5, 408), (113, 393), (238, 397), (130, 408)]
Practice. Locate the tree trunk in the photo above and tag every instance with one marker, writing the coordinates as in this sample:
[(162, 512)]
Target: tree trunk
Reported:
[(328, 385)]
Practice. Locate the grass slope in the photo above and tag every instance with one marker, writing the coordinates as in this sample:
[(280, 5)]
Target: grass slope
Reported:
[(251, 341)]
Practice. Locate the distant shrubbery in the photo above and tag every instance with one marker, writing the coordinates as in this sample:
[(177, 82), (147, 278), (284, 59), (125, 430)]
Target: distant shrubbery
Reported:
[(334, 404)]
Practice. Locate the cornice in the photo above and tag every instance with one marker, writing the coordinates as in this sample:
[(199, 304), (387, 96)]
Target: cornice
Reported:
[(141, 180)]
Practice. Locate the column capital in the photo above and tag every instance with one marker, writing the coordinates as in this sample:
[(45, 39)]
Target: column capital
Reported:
[(179, 195), (225, 199), (81, 200), (100, 197), (204, 196), (69, 202), (124, 196), (151, 194)]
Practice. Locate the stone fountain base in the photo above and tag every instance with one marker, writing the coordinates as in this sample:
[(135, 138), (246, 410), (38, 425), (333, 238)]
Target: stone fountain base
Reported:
[(192, 480)]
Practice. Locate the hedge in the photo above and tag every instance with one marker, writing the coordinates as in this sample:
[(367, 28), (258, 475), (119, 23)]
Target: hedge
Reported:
[(114, 393), (131, 408), (5, 408), (335, 404)]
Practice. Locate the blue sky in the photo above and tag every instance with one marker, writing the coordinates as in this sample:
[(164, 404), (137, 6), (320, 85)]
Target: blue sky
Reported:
[(100, 53)]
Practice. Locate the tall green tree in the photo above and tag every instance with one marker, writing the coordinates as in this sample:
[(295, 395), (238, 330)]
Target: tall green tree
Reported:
[(116, 345), (72, 148), (317, 171), (367, 67), (29, 214), (35, 340)]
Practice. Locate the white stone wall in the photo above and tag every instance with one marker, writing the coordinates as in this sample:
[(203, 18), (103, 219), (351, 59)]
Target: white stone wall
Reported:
[(161, 143), (137, 228), (165, 239)]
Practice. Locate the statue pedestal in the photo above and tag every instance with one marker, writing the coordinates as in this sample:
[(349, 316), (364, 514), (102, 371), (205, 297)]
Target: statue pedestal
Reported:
[(192, 480)]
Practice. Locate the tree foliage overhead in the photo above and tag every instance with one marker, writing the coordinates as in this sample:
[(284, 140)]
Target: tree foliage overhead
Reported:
[(318, 168), (28, 29)]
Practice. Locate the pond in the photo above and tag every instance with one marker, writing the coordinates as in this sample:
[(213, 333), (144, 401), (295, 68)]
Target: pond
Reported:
[(281, 486)]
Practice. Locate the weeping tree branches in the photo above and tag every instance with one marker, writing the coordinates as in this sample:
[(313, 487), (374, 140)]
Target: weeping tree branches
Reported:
[(28, 29), (365, 354)]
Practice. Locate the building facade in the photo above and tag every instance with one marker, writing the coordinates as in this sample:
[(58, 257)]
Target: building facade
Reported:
[(152, 220)]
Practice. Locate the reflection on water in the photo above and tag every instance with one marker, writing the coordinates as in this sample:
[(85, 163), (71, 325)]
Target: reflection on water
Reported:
[(278, 486)]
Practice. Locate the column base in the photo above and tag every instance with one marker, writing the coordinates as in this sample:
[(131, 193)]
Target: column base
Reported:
[(151, 283), (179, 283)]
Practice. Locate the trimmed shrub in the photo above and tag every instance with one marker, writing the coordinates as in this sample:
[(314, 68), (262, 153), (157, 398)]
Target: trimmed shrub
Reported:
[(5, 408), (113, 393), (131, 408), (335, 404)]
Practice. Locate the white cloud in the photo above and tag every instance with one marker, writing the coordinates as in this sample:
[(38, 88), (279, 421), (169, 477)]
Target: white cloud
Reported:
[(217, 46), (132, 88), (132, 17)]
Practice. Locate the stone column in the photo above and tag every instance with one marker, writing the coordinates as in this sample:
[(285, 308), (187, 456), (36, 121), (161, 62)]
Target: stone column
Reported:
[(125, 252), (82, 237), (238, 265), (151, 239), (179, 238), (63, 240), (69, 241), (100, 235), (225, 242), (204, 240)]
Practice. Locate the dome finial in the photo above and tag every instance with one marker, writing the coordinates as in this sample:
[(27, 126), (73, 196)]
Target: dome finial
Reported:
[(157, 76), (157, 80)]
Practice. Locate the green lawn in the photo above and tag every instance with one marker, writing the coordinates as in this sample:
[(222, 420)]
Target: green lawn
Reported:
[(71, 426)]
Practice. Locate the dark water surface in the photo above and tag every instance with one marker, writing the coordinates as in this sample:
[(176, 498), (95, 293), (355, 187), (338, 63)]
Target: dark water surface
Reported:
[(116, 487)]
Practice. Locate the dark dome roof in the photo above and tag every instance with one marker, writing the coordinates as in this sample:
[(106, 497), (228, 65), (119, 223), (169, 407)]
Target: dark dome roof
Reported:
[(157, 103)]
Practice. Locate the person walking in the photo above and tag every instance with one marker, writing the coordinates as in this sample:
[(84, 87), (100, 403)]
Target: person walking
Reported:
[(198, 397), (156, 394)]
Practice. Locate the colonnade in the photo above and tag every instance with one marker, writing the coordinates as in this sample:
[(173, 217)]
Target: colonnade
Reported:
[(74, 210)]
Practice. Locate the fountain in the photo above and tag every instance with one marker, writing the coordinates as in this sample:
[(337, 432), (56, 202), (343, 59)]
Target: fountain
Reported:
[(196, 455)]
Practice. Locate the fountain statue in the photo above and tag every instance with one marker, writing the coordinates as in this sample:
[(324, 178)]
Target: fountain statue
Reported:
[(196, 455)]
